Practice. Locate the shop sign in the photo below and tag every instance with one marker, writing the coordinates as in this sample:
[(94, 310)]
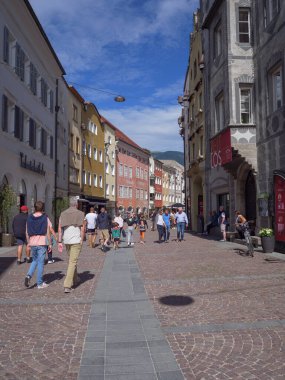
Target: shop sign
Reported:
[(32, 165), (221, 149), (279, 187)]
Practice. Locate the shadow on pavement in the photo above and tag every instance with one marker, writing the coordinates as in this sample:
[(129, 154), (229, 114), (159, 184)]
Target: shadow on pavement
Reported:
[(174, 300), (85, 276), (55, 276), (5, 263)]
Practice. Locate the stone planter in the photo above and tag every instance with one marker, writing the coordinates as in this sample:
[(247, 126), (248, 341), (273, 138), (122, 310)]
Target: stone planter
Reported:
[(267, 243), (7, 240)]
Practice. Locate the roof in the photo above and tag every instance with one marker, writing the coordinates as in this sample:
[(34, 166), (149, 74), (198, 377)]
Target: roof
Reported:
[(76, 94), (28, 5), (122, 137)]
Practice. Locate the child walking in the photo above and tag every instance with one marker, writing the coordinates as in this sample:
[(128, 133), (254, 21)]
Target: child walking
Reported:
[(116, 234), (142, 226)]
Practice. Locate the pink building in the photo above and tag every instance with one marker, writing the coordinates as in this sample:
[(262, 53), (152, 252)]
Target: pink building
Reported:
[(132, 174)]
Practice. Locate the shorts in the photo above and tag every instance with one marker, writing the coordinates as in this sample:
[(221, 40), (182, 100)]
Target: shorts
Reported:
[(223, 227), (91, 231), (21, 241), (105, 234), (142, 233), (116, 239)]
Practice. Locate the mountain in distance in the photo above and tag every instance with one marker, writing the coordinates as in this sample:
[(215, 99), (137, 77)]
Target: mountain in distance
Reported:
[(169, 155)]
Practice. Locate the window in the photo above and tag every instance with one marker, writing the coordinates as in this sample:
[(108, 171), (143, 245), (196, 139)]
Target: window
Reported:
[(130, 193), (101, 181), (32, 134), (95, 181), (200, 101), (107, 168), (220, 118), (77, 149), (95, 153), (84, 148), (33, 79), (109, 140), (192, 112), (100, 156), (73, 175), (244, 25), (141, 194), (121, 170), (245, 106), (113, 169), (130, 172), (270, 10), (121, 191), (113, 190), (218, 40), (51, 146), (51, 101), (145, 175), (4, 113), (141, 173), (43, 141), (146, 195), (20, 62), (126, 171), (44, 89), (126, 192), (277, 88), (75, 113), (19, 123), (71, 141), (89, 151), (137, 194), (201, 146), (95, 129), (84, 177), (137, 172), (107, 189)]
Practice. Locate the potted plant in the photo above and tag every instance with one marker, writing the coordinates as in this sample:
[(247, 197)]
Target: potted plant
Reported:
[(267, 240), (7, 202)]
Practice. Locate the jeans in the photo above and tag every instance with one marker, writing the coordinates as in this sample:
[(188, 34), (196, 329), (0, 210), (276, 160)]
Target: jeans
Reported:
[(180, 230), (73, 252), (166, 233), (160, 230), (38, 254), (130, 234)]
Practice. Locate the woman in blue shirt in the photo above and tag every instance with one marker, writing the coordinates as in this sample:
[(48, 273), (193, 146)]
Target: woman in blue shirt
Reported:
[(166, 219)]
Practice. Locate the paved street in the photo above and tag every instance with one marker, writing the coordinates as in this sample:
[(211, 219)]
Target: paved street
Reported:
[(195, 309)]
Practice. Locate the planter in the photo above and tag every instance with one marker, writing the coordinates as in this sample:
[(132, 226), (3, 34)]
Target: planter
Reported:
[(268, 243), (7, 240)]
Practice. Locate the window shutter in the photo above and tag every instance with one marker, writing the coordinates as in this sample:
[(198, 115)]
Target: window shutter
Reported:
[(51, 101), (21, 125), (51, 147), (16, 122), (6, 45), (5, 113)]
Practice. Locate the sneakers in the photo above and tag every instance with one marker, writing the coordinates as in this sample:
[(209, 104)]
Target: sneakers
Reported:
[(19, 262), (43, 285), (27, 281), (222, 240), (67, 290), (51, 261), (132, 244), (28, 260)]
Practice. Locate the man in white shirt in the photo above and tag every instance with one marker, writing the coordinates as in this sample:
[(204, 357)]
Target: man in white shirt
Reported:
[(181, 222), (91, 218), (118, 219)]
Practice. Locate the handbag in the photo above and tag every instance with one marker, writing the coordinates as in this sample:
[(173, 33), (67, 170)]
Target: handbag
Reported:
[(124, 233)]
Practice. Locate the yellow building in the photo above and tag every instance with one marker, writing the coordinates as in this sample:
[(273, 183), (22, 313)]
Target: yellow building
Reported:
[(166, 200), (93, 153), (196, 154)]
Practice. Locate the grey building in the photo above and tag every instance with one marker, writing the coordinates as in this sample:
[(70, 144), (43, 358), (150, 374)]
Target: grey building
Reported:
[(269, 65), (230, 125)]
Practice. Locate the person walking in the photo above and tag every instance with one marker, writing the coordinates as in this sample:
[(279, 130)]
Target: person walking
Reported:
[(53, 244), (118, 219), (91, 218), (166, 219), (38, 238), (104, 225), (71, 231), (142, 227), (181, 222), (116, 233), (131, 223), (213, 222), (222, 222), (19, 231), (160, 226), (240, 220)]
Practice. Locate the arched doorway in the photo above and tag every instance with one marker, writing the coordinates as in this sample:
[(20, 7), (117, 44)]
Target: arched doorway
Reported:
[(22, 193), (250, 197), (5, 181)]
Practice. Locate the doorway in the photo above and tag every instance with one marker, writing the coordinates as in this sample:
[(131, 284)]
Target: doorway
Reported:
[(250, 197)]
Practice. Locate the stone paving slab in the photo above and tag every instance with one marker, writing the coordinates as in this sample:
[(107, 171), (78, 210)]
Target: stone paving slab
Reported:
[(129, 342)]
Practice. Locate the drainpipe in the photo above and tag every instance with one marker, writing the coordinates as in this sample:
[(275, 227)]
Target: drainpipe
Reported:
[(55, 153)]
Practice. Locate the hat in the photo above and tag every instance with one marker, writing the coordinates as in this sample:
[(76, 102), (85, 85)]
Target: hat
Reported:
[(24, 208)]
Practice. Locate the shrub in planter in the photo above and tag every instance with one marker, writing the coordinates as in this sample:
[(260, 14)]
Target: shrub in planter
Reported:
[(267, 240), (7, 202)]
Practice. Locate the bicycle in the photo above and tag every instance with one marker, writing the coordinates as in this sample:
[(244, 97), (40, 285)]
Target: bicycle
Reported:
[(246, 231)]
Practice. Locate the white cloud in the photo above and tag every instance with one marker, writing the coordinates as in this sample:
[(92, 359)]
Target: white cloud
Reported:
[(151, 128)]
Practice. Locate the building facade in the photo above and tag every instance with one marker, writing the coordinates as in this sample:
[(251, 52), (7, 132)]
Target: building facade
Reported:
[(110, 165), (176, 181), (28, 87), (93, 152), (269, 65), (151, 184), (230, 125), (158, 203)]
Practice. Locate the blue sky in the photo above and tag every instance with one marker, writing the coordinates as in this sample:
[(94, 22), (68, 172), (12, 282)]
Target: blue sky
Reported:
[(137, 48)]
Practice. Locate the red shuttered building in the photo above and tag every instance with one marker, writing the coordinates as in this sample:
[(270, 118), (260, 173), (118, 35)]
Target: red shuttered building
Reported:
[(132, 174), (158, 202)]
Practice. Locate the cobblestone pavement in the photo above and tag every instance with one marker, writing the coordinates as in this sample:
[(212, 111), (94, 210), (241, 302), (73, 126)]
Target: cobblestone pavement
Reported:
[(42, 331), (223, 313)]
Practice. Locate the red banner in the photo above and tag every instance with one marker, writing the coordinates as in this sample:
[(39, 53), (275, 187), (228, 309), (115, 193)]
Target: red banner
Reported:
[(221, 149), (279, 187)]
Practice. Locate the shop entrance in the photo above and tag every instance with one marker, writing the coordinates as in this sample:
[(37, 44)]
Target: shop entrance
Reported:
[(250, 197)]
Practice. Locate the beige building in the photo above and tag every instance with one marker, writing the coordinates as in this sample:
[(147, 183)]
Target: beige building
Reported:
[(110, 167)]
